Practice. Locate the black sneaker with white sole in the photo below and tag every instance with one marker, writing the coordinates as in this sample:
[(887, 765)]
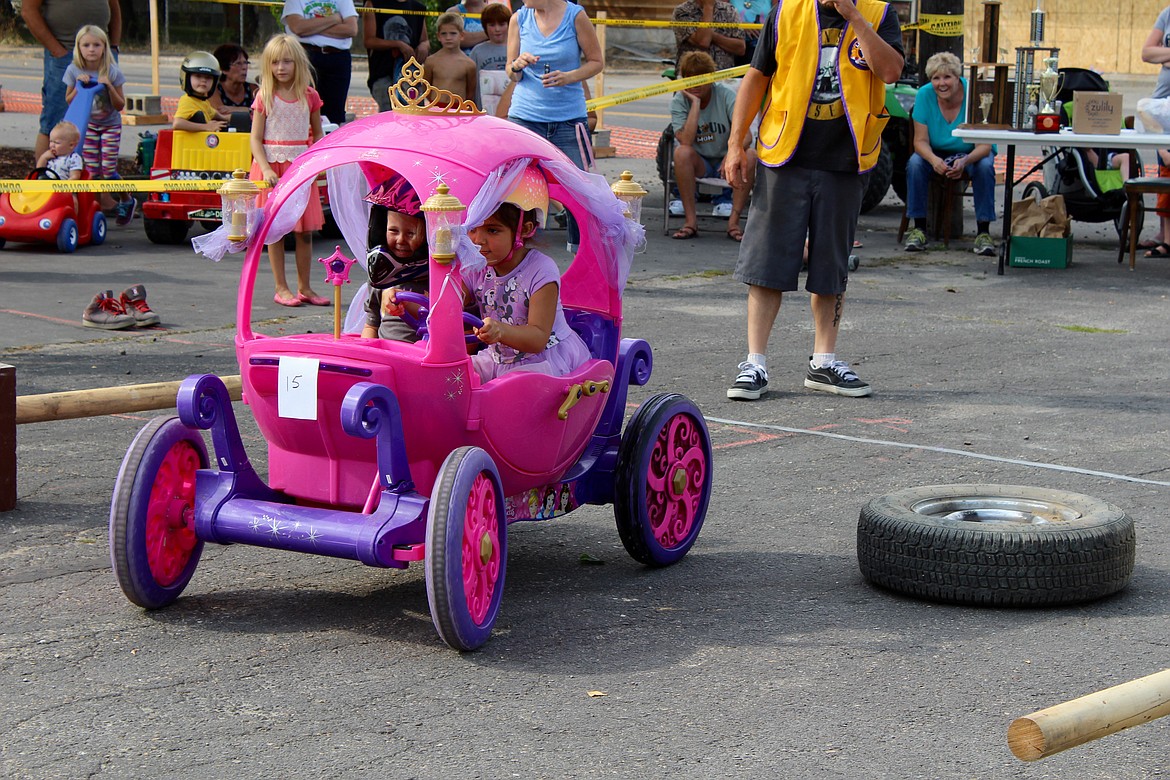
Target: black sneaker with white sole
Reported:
[(837, 377), (750, 383)]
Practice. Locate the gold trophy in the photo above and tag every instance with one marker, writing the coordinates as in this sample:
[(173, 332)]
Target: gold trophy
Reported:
[(985, 105), (1048, 120)]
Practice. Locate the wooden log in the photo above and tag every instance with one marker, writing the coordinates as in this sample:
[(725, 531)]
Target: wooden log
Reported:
[(1099, 714), (105, 400)]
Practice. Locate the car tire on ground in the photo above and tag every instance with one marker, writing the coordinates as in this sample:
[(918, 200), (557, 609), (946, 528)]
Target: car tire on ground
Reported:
[(167, 231), (995, 545)]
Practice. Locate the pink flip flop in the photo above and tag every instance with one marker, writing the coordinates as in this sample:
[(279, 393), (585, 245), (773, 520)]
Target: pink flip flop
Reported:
[(313, 300), (286, 301)]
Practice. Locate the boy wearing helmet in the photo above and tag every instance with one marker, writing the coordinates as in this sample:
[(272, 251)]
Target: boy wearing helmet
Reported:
[(397, 259), (198, 76)]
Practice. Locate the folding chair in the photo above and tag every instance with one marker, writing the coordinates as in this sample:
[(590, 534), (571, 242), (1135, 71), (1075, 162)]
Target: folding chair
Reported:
[(665, 157)]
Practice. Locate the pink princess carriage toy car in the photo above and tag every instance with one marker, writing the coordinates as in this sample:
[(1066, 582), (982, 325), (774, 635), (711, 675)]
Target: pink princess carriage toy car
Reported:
[(388, 452)]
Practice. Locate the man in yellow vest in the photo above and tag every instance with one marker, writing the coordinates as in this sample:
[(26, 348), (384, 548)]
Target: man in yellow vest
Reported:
[(818, 78)]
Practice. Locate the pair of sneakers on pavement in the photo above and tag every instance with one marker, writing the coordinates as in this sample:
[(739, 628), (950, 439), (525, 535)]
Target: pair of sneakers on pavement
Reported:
[(916, 242), (837, 377), (129, 310), (718, 210)]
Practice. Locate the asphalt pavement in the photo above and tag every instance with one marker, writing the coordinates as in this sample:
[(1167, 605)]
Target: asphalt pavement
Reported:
[(762, 654)]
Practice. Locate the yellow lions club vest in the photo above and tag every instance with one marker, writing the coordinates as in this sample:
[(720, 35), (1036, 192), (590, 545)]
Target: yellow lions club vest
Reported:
[(790, 102)]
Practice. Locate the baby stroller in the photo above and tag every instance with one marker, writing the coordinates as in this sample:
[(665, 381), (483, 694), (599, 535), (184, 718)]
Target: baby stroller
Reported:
[(1092, 190)]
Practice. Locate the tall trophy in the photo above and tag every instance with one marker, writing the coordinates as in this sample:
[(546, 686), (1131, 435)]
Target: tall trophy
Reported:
[(1048, 118)]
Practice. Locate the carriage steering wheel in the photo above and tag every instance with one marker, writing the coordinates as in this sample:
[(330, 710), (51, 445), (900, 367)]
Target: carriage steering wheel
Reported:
[(419, 323)]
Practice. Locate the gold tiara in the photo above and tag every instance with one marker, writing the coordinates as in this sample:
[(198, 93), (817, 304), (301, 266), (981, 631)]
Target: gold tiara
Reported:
[(412, 94)]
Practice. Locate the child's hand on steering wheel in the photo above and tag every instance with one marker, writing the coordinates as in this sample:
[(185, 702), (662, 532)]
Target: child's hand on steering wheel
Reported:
[(490, 332), (390, 305)]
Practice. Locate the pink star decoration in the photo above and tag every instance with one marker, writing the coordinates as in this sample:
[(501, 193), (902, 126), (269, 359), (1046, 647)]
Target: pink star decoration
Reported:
[(337, 267)]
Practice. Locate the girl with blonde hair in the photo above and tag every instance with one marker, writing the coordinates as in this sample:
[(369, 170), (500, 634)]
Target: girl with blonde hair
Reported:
[(286, 120), (93, 63)]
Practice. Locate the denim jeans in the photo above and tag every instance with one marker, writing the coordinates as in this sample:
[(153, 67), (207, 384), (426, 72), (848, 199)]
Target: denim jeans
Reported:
[(53, 91), (333, 75), (982, 173), (562, 135)]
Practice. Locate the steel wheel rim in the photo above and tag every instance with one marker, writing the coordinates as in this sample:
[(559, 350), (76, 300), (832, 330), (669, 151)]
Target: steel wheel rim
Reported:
[(170, 532), (676, 473), (996, 510), (481, 548)]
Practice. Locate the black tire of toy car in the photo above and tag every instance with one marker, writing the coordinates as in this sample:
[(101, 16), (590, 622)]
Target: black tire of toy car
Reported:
[(167, 231), (878, 180), (995, 564), (330, 228)]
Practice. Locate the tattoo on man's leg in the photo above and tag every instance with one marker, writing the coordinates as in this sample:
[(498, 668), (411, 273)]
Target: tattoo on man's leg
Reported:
[(837, 310)]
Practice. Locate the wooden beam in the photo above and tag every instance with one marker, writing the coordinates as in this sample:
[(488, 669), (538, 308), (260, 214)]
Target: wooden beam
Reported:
[(1099, 714), (105, 400)]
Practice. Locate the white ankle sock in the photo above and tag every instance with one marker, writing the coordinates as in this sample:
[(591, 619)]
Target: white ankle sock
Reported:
[(758, 359), (822, 359)]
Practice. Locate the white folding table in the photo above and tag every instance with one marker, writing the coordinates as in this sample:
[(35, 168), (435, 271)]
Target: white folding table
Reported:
[(1127, 139)]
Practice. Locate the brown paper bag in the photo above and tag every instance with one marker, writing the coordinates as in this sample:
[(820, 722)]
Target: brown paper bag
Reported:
[(1047, 218), (1058, 219), (1027, 218)]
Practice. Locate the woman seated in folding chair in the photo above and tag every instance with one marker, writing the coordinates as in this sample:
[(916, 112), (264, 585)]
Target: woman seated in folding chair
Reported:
[(939, 109)]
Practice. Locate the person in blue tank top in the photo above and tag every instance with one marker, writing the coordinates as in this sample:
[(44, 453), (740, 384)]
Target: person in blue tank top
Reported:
[(552, 50)]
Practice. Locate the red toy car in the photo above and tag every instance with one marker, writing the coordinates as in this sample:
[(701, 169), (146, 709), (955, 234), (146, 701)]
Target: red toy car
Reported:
[(69, 219)]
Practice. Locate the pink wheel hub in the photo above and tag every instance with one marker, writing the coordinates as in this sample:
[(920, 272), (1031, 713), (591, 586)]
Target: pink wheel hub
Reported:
[(170, 533), (481, 547), (674, 483)]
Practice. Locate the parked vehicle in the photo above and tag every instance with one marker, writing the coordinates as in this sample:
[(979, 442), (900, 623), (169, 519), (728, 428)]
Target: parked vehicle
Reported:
[(387, 452), (66, 219), (168, 216)]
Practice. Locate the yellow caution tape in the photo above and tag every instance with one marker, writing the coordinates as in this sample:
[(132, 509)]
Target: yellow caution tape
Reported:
[(652, 23), (630, 95), (136, 185), (608, 22), (940, 25)]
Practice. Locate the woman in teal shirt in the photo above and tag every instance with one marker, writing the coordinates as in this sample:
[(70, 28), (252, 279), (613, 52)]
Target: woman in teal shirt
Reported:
[(939, 109)]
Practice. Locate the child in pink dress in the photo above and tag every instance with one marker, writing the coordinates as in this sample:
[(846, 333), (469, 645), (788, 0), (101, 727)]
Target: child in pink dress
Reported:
[(286, 120), (519, 294)]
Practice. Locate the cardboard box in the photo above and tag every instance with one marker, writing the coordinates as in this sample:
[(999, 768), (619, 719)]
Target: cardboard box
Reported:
[(1032, 252), (1098, 113)]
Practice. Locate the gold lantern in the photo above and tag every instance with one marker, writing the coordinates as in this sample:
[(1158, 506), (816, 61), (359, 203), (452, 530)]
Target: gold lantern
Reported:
[(238, 196), (630, 193), (444, 222)]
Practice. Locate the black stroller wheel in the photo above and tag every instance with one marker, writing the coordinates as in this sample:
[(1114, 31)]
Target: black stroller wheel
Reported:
[(1035, 191)]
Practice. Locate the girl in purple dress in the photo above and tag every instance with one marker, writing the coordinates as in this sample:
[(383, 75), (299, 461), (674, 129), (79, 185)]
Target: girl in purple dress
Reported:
[(518, 292)]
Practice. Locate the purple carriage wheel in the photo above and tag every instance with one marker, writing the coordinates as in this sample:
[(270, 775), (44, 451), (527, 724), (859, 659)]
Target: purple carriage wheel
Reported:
[(467, 548), (153, 545), (662, 480)]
